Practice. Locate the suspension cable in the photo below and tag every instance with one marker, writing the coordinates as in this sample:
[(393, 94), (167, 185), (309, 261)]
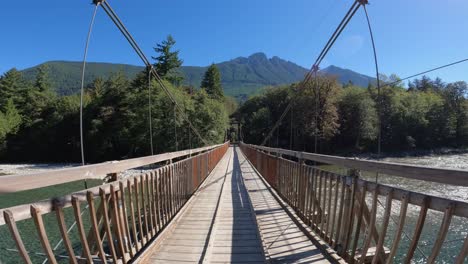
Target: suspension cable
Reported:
[(83, 70), (189, 140), (331, 41), (175, 130), (379, 107), (149, 112), (116, 20), (317, 100), (424, 72), (291, 132)]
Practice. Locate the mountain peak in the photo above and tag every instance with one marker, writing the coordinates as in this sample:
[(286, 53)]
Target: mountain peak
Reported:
[(240, 77), (258, 55)]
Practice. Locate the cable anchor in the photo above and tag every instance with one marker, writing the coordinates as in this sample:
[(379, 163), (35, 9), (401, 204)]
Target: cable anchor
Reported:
[(315, 68), (363, 2), (98, 2)]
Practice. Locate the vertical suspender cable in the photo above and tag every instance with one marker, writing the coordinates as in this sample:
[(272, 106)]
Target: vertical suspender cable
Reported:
[(379, 111), (116, 20), (291, 132), (149, 111), (317, 93), (82, 86), (175, 130), (344, 22)]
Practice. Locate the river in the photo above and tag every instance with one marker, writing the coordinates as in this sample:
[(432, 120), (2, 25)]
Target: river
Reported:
[(459, 227)]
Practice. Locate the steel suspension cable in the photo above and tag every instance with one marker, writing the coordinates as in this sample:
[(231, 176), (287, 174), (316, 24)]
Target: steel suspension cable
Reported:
[(424, 72), (175, 130), (291, 132), (317, 100), (149, 112), (116, 20), (331, 41), (379, 107), (83, 70)]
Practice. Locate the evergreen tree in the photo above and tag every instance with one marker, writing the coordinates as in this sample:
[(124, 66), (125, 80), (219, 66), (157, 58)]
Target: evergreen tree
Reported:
[(10, 121), (168, 62), (455, 96), (212, 83), (11, 84), (42, 79), (358, 117)]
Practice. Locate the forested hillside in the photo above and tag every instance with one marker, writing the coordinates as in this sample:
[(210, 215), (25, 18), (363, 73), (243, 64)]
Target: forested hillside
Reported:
[(429, 114), (241, 77), (38, 125)]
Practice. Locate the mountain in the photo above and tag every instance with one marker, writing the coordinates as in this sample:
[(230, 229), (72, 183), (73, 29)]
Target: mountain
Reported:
[(345, 76), (241, 76)]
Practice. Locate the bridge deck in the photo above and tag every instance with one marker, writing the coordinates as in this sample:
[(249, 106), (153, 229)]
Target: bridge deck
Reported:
[(234, 218)]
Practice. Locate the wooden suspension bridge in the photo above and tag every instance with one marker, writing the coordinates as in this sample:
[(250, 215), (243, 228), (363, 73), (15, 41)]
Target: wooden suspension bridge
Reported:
[(233, 203)]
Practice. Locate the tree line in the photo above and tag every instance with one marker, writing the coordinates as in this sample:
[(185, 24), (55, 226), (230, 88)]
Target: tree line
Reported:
[(426, 114), (38, 125)]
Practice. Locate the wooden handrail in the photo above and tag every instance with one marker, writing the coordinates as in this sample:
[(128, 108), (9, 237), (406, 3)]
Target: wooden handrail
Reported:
[(446, 176), (15, 183), (142, 204), (337, 207)]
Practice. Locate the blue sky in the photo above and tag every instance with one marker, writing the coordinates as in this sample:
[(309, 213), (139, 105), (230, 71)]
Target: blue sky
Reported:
[(411, 36)]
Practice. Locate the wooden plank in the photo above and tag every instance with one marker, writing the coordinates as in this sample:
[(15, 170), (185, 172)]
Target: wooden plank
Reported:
[(118, 226), (345, 223), (335, 207), (144, 205), (79, 223), (329, 216), (417, 231), (370, 227), (95, 227), (442, 234), (340, 213), (125, 218), (15, 183), (37, 217), (379, 250), (439, 175), (322, 195), (8, 216), (132, 215), (362, 201), (463, 252), (399, 230), (149, 203), (138, 210), (152, 192), (107, 226), (157, 182), (64, 233)]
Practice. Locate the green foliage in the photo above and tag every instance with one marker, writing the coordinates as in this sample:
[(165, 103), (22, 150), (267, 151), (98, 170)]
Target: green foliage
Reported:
[(36, 125), (10, 121), (241, 77), (231, 105), (427, 115), (212, 83), (12, 86), (358, 117), (168, 63), (42, 78)]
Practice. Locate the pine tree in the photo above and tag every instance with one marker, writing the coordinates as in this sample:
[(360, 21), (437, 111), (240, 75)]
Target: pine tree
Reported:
[(11, 84), (168, 62), (42, 79), (212, 83), (10, 120)]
